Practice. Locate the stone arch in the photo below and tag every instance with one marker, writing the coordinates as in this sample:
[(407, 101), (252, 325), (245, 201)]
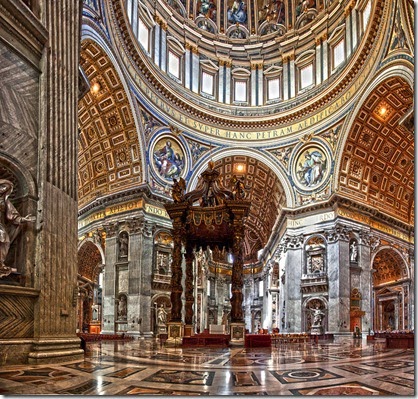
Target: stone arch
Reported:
[(88, 32), (264, 188), (110, 153), (90, 260), (376, 138), (391, 287)]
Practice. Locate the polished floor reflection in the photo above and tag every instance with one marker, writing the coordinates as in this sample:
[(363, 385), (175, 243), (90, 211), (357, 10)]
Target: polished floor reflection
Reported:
[(345, 366)]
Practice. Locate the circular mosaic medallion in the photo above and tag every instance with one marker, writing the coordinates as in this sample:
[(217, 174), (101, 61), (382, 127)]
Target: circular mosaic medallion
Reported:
[(168, 158), (311, 167)]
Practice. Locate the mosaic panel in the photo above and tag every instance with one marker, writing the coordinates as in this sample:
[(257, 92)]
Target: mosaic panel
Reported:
[(134, 390), (126, 372), (87, 367), (37, 376), (390, 364), (87, 388), (394, 379), (346, 389), (306, 375), (182, 377), (355, 369)]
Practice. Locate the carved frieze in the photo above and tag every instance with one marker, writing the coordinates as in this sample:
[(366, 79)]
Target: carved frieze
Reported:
[(339, 232)]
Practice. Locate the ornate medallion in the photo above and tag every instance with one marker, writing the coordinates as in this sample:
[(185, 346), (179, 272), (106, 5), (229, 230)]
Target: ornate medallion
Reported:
[(311, 167), (168, 159)]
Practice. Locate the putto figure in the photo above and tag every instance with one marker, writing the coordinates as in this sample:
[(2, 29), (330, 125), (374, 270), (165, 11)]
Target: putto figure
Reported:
[(10, 223)]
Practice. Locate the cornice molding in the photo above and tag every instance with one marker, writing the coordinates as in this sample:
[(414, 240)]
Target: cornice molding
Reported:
[(22, 30)]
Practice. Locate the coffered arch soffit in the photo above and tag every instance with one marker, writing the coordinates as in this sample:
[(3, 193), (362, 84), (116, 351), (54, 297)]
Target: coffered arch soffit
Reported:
[(110, 155), (89, 258), (264, 189), (376, 161), (388, 266)]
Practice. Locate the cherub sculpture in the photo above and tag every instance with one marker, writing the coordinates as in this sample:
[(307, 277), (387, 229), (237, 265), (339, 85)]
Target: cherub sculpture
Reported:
[(178, 190)]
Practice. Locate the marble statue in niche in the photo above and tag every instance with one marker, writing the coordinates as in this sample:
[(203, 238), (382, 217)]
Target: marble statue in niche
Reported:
[(123, 244), (161, 316), (353, 251), (122, 308), (315, 317), (318, 316), (10, 224)]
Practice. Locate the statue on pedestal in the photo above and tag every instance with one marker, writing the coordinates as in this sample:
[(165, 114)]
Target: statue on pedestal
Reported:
[(10, 223), (161, 316), (162, 320), (318, 316)]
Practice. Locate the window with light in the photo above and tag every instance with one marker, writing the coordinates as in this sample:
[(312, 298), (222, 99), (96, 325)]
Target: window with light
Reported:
[(143, 35), (174, 65), (306, 76), (273, 89), (240, 92), (339, 53), (207, 83)]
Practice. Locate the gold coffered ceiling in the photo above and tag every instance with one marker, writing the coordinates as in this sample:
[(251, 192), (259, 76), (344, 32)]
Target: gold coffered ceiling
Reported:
[(88, 260), (109, 152), (377, 165), (266, 194)]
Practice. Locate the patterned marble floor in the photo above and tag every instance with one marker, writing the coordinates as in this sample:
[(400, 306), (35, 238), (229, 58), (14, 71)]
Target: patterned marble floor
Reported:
[(345, 366)]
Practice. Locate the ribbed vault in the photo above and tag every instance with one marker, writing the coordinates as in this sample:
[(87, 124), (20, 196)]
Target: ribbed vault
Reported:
[(377, 164)]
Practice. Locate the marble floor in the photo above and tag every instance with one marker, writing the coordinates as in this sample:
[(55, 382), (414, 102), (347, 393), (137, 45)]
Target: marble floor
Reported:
[(345, 366)]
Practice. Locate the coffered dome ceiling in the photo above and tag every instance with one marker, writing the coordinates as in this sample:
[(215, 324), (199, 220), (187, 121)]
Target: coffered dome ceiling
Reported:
[(376, 165)]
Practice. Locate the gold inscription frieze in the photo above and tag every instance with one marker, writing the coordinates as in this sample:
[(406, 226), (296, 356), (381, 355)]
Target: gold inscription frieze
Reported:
[(310, 220), (121, 208), (374, 224)]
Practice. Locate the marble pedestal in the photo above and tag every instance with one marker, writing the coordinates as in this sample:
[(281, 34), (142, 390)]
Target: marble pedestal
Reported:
[(175, 333), (237, 333)]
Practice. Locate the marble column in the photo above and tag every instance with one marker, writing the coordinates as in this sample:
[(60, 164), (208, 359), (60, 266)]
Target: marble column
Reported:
[(221, 82), (163, 49), (293, 272), (228, 77), (366, 282), (109, 279), (188, 67), (177, 274), (188, 328), (146, 229), (157, 39), (348, 32), (195, 70), (338, 261)]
